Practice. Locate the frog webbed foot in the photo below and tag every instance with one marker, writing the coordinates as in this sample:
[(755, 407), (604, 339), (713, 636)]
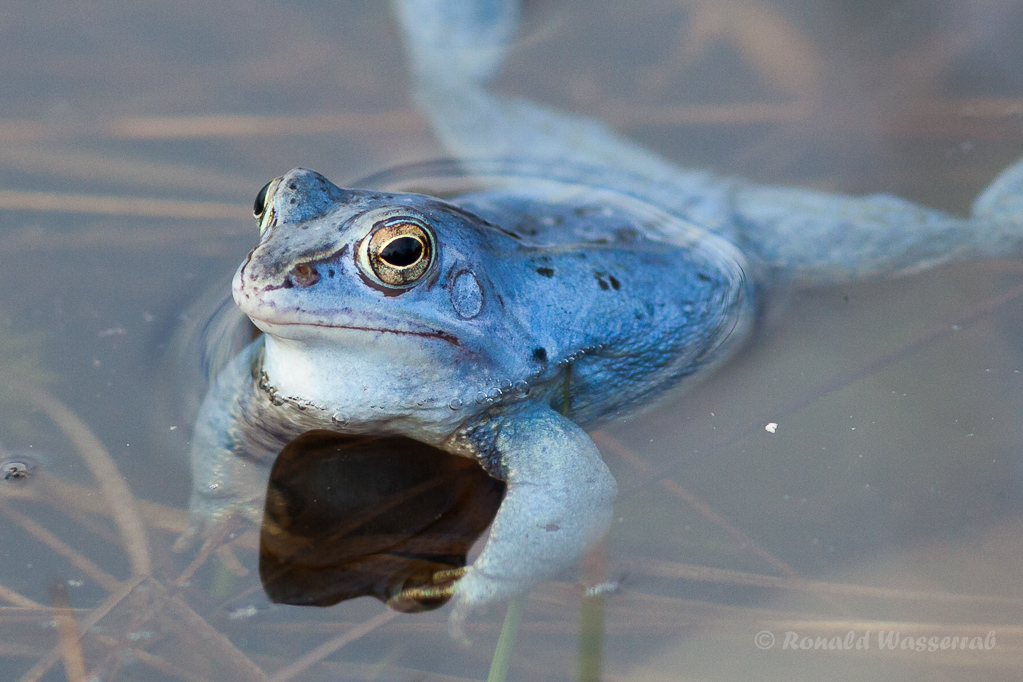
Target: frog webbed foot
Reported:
[(457, 40), (557, 505)]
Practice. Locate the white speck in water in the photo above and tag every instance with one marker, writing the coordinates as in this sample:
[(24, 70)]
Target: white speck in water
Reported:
[(243, 612), (602, 588), (75, 583), (173, 428), (772, 427)]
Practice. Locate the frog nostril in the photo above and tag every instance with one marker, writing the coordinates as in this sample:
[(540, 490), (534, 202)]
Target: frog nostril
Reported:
[(304, 275)]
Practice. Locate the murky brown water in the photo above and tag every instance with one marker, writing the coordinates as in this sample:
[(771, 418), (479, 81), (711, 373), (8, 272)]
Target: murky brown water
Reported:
[(132, 140)]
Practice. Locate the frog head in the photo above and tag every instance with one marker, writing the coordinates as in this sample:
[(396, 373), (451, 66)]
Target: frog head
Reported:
[(371, 300)]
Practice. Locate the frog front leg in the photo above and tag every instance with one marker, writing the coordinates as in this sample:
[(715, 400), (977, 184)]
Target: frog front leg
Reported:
[(557, 505), (224, 485)]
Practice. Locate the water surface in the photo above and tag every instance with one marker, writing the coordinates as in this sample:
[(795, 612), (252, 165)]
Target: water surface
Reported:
[(132, 141)]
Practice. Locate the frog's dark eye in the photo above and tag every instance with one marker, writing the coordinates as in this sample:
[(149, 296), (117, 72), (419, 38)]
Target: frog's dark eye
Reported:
[(260, 205), (263, 208), (399, 252)]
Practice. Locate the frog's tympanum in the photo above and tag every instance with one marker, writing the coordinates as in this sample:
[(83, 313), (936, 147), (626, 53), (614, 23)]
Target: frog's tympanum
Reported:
[(576, 284)]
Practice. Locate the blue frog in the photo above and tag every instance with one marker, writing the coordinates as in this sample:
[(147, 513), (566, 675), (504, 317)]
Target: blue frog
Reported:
[(571, 278)]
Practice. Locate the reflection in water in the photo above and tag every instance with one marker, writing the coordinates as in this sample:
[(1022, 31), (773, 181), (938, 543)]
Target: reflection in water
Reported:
[(354, 516)]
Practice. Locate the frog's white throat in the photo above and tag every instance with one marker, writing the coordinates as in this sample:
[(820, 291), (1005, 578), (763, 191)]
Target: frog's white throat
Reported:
[(377, 381)]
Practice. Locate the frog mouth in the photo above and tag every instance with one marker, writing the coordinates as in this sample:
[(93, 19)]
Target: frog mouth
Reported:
[(425, 333)]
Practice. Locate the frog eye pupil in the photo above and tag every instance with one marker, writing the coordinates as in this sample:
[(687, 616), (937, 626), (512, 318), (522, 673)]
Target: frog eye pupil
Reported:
[(260, 204), (402, 252), (398, 252)]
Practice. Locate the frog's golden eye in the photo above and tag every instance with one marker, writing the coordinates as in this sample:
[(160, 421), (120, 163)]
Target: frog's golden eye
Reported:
[(399, 252)]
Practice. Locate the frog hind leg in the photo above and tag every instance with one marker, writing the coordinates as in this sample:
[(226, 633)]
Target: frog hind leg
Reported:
[(444, 37), (557, 505), (1003, 198), (457, 40)]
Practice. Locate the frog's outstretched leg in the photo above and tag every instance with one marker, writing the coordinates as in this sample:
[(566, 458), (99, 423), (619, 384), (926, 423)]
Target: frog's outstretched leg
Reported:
[(558, 503), (792, 236), (461, 40), (1003, 198), (473, 122)]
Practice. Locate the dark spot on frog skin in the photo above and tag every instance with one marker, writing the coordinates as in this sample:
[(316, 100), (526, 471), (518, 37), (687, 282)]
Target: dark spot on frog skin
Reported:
[(626, 234), (703, 277), (604, 285), (293, 201), (330, 273), (540, 354), (293, 186), (545, 272), (552, 527)]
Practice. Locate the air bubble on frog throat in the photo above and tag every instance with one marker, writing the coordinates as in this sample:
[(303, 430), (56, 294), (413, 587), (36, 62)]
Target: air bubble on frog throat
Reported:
[(339, 420)]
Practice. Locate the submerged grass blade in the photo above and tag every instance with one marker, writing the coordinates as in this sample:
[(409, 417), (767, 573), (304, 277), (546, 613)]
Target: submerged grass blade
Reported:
[(67, 634), (590, 661), (590, 664), (327, 648), (111, 483), (506, 641)]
